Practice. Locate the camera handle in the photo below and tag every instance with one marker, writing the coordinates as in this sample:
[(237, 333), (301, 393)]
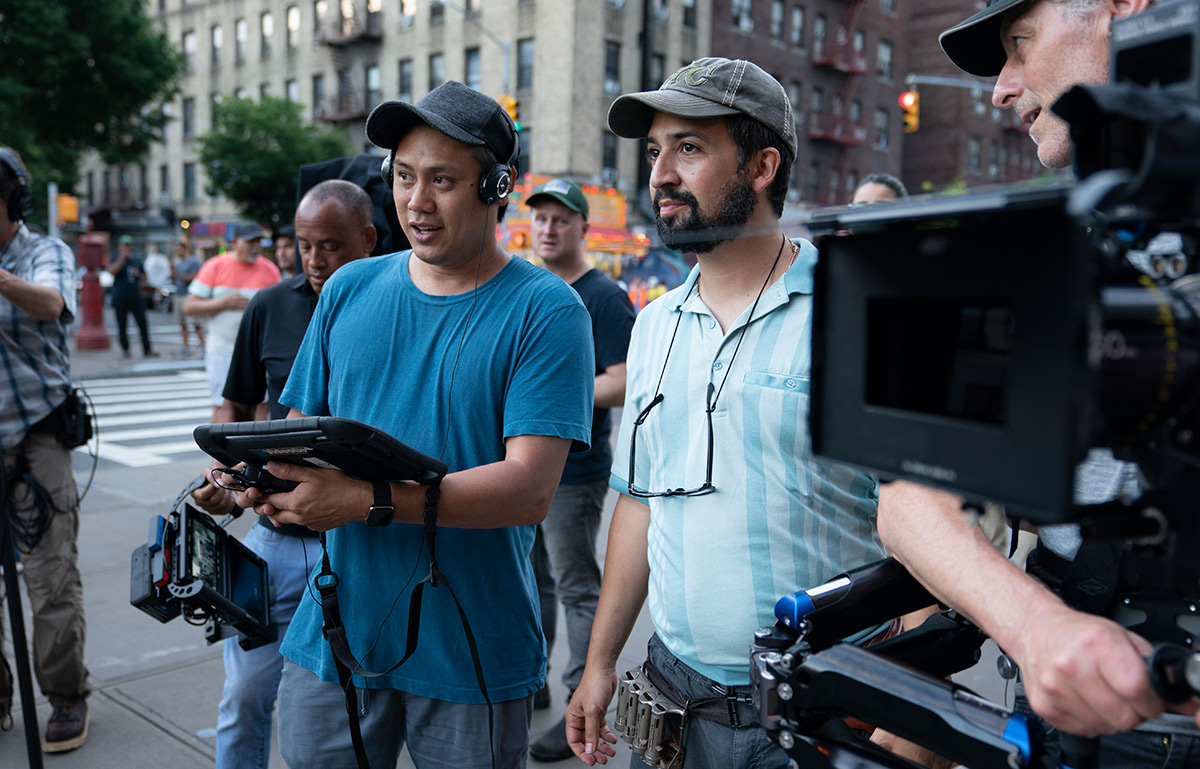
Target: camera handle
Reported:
[(33, 744)]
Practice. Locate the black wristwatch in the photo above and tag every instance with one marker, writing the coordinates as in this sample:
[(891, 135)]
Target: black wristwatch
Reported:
[(382, 511)]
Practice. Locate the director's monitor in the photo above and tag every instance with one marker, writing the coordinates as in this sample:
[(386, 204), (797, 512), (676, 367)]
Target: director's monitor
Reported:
[(355, 448), (950, 346)]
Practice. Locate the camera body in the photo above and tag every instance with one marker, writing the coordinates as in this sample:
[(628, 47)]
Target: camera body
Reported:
[(193, 568)]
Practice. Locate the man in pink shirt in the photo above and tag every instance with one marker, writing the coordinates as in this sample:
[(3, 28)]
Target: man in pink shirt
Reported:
[(220, 292)]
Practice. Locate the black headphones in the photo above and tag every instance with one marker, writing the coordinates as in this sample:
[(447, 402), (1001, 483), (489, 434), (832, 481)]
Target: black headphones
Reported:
[(20, 200), (494, 185)]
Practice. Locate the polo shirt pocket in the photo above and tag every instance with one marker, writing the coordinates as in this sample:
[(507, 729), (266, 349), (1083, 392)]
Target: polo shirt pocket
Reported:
[(783, 382)]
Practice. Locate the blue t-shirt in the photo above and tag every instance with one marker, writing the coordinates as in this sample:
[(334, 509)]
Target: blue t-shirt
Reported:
[(381, 351)]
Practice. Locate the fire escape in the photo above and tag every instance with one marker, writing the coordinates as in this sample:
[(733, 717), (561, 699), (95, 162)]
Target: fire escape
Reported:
[(355, 30), (836, 127)]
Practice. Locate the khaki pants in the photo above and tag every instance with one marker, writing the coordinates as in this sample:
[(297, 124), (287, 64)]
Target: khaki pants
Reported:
[(51, 574)]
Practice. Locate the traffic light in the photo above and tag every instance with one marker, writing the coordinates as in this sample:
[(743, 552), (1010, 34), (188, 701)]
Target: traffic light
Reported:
[(68, 208), (509, 102), (911, 102)]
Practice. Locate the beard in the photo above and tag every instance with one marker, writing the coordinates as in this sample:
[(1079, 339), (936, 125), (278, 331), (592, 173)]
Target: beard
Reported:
[(693, 231)]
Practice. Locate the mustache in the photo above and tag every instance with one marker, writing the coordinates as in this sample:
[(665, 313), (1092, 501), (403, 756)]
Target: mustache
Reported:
[(673, 193)]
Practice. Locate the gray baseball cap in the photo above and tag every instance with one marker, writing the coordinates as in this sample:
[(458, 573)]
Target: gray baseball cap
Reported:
[(709, 87), (453, 109), (247, 231), (974, 45)]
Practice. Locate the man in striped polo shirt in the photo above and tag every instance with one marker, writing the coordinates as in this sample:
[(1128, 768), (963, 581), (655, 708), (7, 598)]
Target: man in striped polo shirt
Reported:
[(723, 508), (37, 305)]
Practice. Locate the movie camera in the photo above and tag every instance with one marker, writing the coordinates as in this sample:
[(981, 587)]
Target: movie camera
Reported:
[(986, 344)]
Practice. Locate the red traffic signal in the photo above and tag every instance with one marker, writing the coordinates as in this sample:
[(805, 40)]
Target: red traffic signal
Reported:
[(908, 99), (911, 102)]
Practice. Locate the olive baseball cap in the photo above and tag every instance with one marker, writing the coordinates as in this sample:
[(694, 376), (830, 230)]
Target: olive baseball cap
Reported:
[(709, 87), (563, 191), (453, 109), (125, 239), (974, 45)]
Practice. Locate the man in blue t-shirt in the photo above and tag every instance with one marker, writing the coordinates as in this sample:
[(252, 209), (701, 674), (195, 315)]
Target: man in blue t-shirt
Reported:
[(468, 355)]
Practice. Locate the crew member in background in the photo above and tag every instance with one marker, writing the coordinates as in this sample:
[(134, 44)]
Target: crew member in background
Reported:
[(879, 188), (220, 292), (37, 306), (333, 224), (184, 267), (564, 552), (285, 250)]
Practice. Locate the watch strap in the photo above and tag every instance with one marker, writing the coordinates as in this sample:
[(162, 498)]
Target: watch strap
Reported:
[(381, 512)]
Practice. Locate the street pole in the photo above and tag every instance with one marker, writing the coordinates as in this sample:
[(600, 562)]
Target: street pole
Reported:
[(52, 207), (504, 46), (951, 82)]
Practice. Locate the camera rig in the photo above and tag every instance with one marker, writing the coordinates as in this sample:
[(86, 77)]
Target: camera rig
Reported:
[(192, 567), (986, 345)]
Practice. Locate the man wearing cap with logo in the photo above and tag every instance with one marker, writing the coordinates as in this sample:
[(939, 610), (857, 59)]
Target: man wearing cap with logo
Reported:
[(128, 273), (221, 291), (723, 508), (466, 354), (1083, 674), (564, 553)]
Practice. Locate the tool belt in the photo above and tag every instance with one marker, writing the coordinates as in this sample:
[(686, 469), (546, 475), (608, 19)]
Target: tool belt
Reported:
[(652, 715)]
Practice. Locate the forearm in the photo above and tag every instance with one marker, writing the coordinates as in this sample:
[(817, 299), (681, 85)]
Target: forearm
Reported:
[(229, 411), (623, 591), (40, 302), (202, 308), (610, 387), (937, 542)]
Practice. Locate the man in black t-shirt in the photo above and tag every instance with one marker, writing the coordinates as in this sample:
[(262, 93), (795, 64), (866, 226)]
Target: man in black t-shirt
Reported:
[(564, 552), (333, 227), (128, 274)]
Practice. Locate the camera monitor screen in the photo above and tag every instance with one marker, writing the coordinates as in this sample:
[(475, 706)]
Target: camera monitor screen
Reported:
[(950, 344), (233, 579)]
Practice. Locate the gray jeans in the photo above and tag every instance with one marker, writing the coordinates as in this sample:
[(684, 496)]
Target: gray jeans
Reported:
[(314, 730), (707, 744), (564, 564)]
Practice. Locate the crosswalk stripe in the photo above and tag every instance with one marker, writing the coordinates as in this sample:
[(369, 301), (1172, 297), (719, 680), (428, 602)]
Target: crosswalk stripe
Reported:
[(105, 400), (119, 419), (161, 407), (182, 376)]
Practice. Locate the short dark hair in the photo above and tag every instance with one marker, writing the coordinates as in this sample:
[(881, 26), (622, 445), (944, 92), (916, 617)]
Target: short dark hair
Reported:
[(352, 197), (8, 175), (752, 136), (887, 180), (486, 159)]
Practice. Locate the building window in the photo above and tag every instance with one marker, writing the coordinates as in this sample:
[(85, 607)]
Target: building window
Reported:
[(320, 7), (437, 11), (525, 64), (239, 92), (993, 160), (820, 24), (214, 106), (977, 101), (525, 162), (797, 27), (241, 33), (856, 112), (91, 188), (888, 6), (374, 88), (189, 181), (658, 69), (408, 12), (608, 161), (612, 67), (851, 182), (167, 112), (216, 39), (266, 26), (777, 21), (318, 96), (264, 90), (743, 15), (883, 123), (189, 118), (291, 89), (437, 70), (292, 18), (795, 94), (689, 14), (973, 149), (471, 67), (817, 100), (814, 180), (406, 80), (164, 183), (859, 41), (473, 7), (883, 60), (189, 49)]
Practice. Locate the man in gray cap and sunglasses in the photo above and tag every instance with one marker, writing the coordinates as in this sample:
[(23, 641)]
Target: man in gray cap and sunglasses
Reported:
[(722, 507), (1083, 674)]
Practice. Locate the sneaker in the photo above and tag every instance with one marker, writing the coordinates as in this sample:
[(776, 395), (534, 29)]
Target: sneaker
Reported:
[(552, 746), (6, 722), (150, 354), (541, 699), (67, 728)]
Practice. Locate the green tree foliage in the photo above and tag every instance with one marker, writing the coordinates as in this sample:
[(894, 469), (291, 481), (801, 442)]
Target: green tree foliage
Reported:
[(254, 153), (81, 75)]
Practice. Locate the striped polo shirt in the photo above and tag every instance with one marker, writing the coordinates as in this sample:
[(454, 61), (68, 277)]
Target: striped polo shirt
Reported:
[(34, 354), (779, 520)]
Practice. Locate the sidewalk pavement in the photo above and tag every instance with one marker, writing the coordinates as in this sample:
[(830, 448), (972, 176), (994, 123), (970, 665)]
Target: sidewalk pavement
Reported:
[(156, 686)]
